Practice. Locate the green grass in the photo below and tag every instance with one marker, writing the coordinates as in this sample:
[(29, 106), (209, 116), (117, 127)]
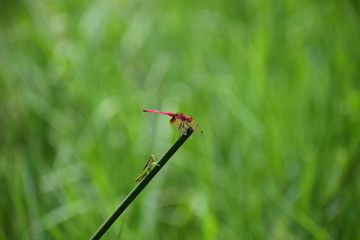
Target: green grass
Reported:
[(274, 86)]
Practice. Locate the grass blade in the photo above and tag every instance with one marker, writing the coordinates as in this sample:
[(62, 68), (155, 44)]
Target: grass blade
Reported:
[(138, 188)]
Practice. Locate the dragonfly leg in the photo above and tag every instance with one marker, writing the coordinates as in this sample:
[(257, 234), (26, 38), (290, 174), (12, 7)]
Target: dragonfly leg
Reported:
[(182, 128), (179, 129)]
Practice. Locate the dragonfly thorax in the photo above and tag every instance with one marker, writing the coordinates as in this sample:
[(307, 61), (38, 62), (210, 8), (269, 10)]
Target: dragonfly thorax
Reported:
[(183, 117)]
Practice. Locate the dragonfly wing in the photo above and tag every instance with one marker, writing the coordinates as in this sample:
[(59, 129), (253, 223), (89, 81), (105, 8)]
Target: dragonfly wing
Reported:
[(177, 124), (195, 126)]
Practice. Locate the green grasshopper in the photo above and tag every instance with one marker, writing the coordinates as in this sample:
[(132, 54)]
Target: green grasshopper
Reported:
[(148, 166)]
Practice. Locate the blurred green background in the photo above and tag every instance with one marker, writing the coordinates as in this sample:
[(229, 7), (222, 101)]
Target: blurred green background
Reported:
[(273, 84)]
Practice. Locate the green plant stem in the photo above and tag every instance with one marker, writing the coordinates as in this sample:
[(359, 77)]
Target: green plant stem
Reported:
[(138, 188)]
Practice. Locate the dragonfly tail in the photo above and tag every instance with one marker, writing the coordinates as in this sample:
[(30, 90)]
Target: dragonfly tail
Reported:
[(161, 112)]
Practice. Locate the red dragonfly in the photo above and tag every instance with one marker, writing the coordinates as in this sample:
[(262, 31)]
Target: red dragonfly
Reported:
[(179, 121)]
